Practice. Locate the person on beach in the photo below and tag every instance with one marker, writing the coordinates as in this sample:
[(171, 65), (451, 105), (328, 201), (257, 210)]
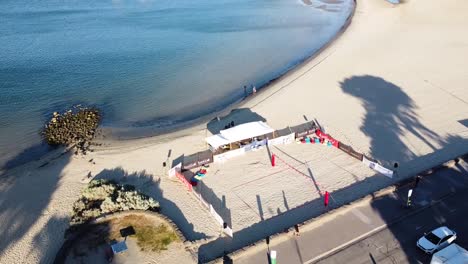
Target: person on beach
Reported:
[(296, 230), (254, 90), (245, 91)]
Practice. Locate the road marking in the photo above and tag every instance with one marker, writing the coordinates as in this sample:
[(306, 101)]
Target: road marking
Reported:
[(453, 210), (418, 227), (361, 216)]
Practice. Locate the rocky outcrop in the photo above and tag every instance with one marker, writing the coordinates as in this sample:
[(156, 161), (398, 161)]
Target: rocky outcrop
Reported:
[(75, 127)]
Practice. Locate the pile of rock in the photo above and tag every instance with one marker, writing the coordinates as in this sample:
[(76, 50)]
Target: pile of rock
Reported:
[(75, 127), (103, 197)]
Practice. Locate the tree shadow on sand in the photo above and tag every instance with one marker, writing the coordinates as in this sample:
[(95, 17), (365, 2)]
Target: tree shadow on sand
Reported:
[(29, 154), (25, 195), (390, 113), (145, 183)]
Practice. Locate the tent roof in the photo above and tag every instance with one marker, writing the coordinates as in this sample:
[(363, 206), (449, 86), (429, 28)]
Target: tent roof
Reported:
[(239, 132), (217, 141)]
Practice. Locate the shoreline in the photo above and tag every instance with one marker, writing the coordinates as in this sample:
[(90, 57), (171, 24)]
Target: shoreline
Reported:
[(239, 102), (111, 136), (198, 123)]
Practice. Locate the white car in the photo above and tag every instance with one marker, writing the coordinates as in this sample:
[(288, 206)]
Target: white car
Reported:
[(437, 239)]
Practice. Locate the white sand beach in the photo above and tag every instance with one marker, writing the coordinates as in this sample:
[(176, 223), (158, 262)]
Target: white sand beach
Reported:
[(393, 86)]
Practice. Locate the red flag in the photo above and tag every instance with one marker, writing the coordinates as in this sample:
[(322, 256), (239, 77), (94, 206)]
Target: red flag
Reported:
[(326, 198)]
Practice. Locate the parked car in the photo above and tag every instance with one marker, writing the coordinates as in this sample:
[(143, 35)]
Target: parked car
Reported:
[(438, 238)]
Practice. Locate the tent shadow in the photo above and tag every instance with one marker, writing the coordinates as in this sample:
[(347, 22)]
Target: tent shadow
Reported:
[(238, 116)]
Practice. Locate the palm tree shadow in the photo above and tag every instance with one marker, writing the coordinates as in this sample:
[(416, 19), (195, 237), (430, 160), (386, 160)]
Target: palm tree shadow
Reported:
[(390, 112), (26, 193), (145, 183)]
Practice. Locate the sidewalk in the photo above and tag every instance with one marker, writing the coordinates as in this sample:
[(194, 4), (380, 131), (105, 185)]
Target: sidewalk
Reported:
[(358, 220)]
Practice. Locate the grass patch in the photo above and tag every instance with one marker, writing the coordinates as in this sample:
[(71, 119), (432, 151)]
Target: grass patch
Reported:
[(150, 235)]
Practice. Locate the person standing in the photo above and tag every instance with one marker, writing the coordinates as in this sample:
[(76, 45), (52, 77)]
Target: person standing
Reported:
[(416, 181), (245, 91), (254, 90)]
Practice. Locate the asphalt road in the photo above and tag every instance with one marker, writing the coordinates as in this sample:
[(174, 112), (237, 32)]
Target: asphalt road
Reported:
[(397, 244)]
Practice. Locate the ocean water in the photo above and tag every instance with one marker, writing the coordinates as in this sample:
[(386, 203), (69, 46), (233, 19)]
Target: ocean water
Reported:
[(145, 63)]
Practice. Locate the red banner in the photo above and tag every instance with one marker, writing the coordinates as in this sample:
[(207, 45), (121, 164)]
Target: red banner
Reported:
[(322, 135), (184, 180)]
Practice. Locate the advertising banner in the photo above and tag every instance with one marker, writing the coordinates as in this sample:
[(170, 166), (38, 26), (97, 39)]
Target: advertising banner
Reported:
[(182, 178), (227, 155), (377, 167), (173, 170), (228, 231), (216, 216), (288, 139)]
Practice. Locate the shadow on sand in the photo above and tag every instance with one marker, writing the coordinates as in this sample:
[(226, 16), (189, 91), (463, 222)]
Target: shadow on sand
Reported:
[(238, 116), (27, 155), (145, 183), (390, 114), (25, 195)]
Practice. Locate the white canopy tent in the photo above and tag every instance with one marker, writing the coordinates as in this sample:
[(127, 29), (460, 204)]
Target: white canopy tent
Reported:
[(238, 133), (217, 141)]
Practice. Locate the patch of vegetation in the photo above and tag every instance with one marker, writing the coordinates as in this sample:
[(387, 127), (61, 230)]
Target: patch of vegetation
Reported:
[(150, 236), (102, 197), (75, 127)]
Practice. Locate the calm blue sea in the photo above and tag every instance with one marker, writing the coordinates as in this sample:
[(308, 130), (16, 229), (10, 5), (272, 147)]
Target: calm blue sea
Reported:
[(145, 63)]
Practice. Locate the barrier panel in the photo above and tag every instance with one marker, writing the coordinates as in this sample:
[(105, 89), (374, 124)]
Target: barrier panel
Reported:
[(198, 159), (255, 145), (377, 167), (226, 229), (282, 140), (283, 132), (230, 154), (216, 216), (182, 178), (172, 172), (356, 155), (350, 151), (305, 129), (344, 148), (200, 198)]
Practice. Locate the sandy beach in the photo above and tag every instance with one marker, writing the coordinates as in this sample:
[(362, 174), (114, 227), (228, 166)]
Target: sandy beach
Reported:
[(393, 86)]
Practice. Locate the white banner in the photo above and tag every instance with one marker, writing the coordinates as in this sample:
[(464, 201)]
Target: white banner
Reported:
[(282, 140), (255, 145), (228, 231), (229, 154), (172, 171), (377, 167), (216, 215)]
